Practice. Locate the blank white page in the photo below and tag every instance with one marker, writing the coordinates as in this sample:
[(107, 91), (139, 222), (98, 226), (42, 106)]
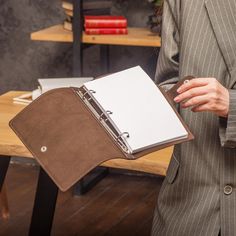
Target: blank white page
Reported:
[(138, 107)]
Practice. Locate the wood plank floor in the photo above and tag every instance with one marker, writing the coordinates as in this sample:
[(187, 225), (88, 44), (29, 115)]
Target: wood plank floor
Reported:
[(118, 205)]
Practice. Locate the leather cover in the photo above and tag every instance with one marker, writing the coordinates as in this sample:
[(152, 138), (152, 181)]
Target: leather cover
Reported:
[(66, 138), (172, 93)]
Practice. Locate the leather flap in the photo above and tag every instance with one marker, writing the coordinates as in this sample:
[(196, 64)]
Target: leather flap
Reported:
[(172, 93), (64, 136)]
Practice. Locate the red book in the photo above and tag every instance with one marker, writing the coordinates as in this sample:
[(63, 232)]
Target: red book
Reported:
[(106, 31), (105, 22)]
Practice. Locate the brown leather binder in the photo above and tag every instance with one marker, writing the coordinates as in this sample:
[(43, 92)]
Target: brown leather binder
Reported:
[(67, 138)]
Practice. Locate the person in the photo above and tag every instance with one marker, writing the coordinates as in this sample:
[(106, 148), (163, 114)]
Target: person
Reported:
[(198, 195)]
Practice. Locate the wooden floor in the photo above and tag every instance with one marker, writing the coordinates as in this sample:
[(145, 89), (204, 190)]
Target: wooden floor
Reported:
[(118, 205)]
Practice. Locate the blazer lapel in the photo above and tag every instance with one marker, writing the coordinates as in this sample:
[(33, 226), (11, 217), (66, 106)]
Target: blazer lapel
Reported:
[(222, 15)]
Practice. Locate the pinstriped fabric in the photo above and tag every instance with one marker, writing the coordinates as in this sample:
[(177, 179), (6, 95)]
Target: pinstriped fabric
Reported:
[(199, 39)]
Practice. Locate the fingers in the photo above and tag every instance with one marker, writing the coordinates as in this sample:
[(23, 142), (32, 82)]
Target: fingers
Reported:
[(195, 101), (193, 92), (196, 87), (198, 82), (204, 94)]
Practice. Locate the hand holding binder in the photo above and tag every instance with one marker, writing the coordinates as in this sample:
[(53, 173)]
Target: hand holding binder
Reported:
[(72, 130)]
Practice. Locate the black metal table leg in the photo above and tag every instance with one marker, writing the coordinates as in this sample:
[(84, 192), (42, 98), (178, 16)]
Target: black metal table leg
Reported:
[(90, 180), (4, 163), (104, 59), (44, 206)]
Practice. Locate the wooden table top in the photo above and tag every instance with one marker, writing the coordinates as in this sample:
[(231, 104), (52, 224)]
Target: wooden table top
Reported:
[(10, 145)]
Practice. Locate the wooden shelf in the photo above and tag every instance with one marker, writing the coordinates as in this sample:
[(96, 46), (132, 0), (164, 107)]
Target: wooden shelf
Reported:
[(135, 37)]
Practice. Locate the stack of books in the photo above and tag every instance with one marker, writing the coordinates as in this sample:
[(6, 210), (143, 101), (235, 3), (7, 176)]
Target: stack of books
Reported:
[(105, 25), (90, 7)]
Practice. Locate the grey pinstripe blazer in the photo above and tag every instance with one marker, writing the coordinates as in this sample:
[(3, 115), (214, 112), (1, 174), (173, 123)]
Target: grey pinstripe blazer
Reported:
[(199, 39)]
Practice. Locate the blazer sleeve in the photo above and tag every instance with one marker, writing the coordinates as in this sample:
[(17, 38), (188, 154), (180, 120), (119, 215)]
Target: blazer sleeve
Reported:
[(167, 70), (228, 125)]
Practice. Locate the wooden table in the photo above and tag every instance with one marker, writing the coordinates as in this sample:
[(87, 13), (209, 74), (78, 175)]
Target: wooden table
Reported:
[(46, 193)]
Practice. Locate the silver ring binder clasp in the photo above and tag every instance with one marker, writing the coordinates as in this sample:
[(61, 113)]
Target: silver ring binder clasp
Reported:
[(87, 92), (123, 134), (109, 112), (104, 114)]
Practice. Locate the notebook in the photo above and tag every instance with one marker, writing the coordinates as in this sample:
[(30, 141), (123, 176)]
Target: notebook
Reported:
[(137, 109), (125, 115)]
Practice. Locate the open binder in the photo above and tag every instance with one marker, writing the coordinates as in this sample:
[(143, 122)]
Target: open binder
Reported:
[(70, 132)]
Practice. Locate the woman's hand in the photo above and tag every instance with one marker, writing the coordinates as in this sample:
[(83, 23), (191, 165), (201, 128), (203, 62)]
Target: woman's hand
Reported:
[(204, 94)]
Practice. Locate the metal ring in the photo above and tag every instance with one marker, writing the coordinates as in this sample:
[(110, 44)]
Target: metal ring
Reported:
[(87, 92), (104, 114), (122, 134), (109, 112)]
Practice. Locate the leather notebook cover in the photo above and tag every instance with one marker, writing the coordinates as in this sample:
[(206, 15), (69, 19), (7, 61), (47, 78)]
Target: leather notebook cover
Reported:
[(63, 136), (67, 139)]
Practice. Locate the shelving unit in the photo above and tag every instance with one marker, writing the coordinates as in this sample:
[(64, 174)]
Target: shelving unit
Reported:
[(136, 37)]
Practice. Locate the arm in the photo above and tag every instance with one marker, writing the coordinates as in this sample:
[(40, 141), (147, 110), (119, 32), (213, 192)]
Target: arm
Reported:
[(168, 61)]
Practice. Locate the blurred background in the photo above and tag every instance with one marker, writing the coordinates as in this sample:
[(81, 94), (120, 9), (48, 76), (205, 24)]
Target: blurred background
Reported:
[(24, 61)]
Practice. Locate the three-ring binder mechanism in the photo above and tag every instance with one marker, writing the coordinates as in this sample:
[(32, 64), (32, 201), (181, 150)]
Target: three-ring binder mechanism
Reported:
[(104, 117), (133, 110)]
